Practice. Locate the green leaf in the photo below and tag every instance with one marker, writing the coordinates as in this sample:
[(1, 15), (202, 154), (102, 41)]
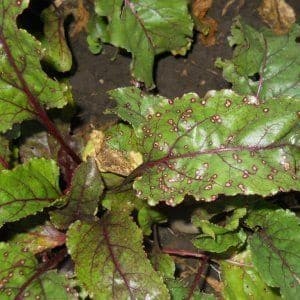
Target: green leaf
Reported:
[(219, 144), (28, 189), (20, 277), (114, 264), (25, 88), (264, 65), (242, 281), (275, 248), (211, 229), (221, 242), (83, 197), (163, 263), (180, 292), (57, 54), (144, 28), (39, 238)]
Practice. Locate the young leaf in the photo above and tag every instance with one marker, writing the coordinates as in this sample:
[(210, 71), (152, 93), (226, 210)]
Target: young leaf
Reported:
[(164, 264), (110, 261), (57, 53), (275, 248), (145, 28), (27, 189), (264, 65), (251, 286), (221, 242), (39, 238), (21, 277), (25, 88), (83, 198), (220, 144)]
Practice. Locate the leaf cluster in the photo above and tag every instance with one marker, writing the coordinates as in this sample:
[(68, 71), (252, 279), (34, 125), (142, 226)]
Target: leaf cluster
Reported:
[(76, 214)]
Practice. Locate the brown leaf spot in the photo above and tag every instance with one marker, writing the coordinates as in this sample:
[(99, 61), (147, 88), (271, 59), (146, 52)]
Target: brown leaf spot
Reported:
[(203, 102), (270, 176), (228, 103), (265, 110), (171, 101), (208, 187), (193, 100), (242, 187), (245, 174), (228, 183), (19, 2)]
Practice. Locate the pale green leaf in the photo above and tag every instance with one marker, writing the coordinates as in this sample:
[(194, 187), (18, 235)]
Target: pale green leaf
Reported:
[(144, 28), (20, 277), (25, 88), (242, 281), (220, 144), (264, 65), (275, 248), (163, 263), (110, 261), (28, 189)]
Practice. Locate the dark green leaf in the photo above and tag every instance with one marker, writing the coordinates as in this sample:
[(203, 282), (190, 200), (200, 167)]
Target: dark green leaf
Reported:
[(264, 65), (23, 84), (275, 248), (20, 277), (241, 280), (110, 261), (143, 27), (83, 197), (220, 144), (27, 189), (4, 152)]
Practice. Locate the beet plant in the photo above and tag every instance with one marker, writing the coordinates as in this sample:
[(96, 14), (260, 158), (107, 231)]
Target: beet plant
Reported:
[(79, 216)]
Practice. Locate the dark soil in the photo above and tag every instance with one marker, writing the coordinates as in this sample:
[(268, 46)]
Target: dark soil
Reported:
[(95, 75)]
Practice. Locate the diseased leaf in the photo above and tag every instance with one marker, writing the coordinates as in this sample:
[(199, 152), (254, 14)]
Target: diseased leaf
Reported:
[(242, 281), (221, 242), (264, 65), (4, 152), (275, 248), (20, 277), (28, 189), (220, 144), (25, 88), (114, 264), (39, 238), (83, 197), (144, 28), (57, 53)]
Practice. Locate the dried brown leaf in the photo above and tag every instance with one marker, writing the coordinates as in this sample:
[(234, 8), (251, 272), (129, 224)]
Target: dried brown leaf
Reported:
[(279, 15)]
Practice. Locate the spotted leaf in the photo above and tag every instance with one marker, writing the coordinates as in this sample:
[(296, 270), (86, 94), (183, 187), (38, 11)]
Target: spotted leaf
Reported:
[(275, 248), (220, 144), (25, 88), (83, 197), (114, 264), (28, 189), (144, 28), (20, 277), (264, 65)]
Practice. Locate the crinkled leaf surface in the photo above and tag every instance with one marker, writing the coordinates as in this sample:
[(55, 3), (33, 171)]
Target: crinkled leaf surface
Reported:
[(20, 278), (39, 238), (220, 144), (23, 84), (27, 189), (57, 53), (263, 64), (242, 281), (83, 197), (221, 242), (275, 248), (144, 28), (110, 261)]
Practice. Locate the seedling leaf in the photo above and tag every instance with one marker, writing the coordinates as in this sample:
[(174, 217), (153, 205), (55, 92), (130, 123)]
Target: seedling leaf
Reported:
[(264, 65), (144, 28), (110, 261), (28, 189), (220, 144)]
